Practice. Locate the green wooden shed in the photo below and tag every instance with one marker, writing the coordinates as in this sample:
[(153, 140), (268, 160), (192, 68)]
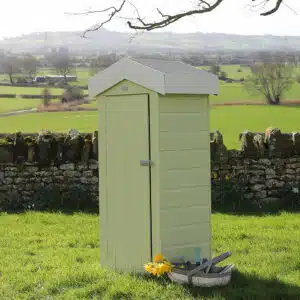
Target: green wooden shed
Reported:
[(154, 156)]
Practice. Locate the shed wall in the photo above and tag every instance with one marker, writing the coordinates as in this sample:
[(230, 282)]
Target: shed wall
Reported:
[(185, 204)]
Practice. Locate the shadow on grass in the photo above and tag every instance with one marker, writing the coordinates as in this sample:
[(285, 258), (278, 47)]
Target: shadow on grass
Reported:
[(54, 211), (247, 212), (242, 286), (266, 209)]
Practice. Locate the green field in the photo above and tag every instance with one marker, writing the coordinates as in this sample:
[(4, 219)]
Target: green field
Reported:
[(232, 71), (12, 104), (81, 73), (238, 72), (60, 122), (27, 90), (229, 92), (230, 120), (56, 256)]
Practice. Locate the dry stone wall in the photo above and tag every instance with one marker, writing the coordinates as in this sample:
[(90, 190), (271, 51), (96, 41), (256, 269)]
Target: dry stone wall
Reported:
[(58, 187), (49, 171), (265, 172)]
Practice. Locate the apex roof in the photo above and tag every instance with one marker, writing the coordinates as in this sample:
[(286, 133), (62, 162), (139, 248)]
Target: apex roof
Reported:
[(161, 76)]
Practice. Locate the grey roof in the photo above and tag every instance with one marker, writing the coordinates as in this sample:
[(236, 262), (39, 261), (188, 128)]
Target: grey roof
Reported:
[(162, 76)]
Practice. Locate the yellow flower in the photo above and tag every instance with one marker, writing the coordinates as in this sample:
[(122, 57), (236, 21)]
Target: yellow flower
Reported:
[(214, 175), (158, 258), (149, 267), (164, 268), (160, 269), (154, 271), (160, 266), (227, 177)]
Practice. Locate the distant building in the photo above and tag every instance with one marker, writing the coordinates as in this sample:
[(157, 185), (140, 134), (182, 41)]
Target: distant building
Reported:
[(54, 78)]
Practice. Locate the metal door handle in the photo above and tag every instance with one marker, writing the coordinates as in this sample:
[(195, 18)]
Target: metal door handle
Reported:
[(146, 163)]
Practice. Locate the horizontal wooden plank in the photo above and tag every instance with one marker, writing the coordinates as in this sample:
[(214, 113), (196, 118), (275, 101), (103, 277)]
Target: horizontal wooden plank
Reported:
[(183, 103), (183, 216), (195, 233), (184, 159), (183, 122), (185, 197), (184, 141), (185, 178)]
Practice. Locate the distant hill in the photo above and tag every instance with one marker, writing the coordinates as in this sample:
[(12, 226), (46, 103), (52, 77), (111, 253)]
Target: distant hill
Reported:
[(105, 40)]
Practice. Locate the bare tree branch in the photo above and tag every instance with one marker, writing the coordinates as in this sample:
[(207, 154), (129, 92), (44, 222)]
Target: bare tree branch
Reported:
[(291, 9), (169, 19), (114, 11), (138, 23), (273, 10)]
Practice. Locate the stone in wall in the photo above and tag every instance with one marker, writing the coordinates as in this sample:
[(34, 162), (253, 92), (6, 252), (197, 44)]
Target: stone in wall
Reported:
[(219, 151), (252, 144), (279, 144)]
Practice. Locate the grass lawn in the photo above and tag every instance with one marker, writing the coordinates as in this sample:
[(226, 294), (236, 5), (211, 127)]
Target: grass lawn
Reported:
[(230, 92), (230, 120), (7, 105), (81, 73), (56, 121), (232, 71), (238, 72), (56, 256), (27, 90)]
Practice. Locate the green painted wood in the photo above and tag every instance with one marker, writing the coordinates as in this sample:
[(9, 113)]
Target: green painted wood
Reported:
[(126, 200), (185, 176), (184, 197), (126, 87), (181, 236), (169, 140)]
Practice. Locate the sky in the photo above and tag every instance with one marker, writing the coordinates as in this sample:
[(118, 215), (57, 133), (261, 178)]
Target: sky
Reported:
[(18, 17)]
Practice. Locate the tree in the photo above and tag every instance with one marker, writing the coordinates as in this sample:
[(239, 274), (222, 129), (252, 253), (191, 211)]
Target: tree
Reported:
[(223, 75), (72, 93), (61, 62), (10, 65), (46, 96), (215, 69), (30, 65), (165, 19), (102, 61), (271, 79)]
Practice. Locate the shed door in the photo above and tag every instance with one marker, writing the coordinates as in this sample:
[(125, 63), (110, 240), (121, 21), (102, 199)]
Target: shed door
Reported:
[(128, 183)]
